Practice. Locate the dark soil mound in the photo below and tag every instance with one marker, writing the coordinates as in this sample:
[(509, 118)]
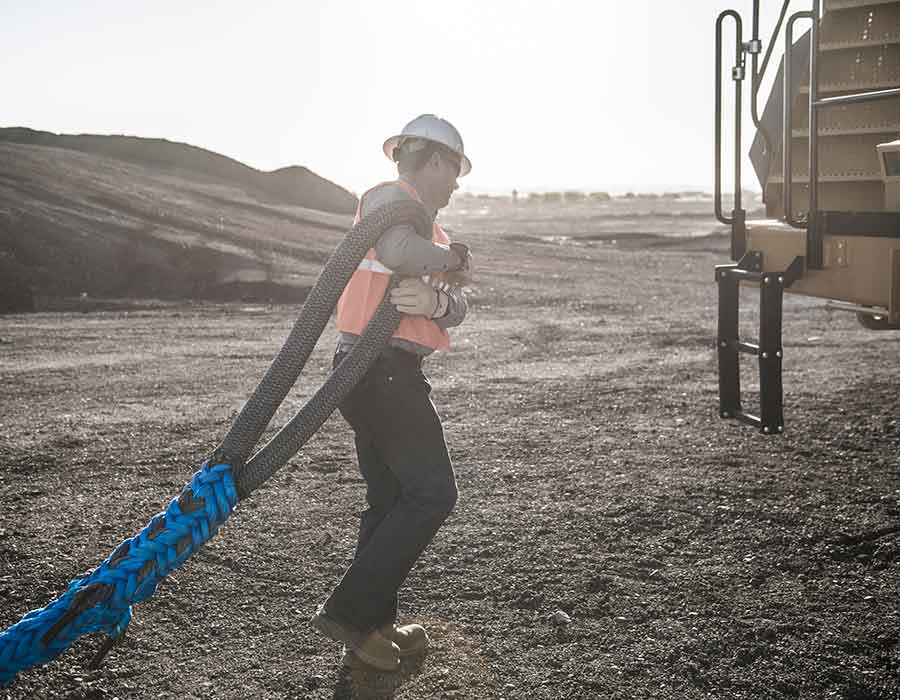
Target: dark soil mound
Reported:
[(110, 216), (291, 185)]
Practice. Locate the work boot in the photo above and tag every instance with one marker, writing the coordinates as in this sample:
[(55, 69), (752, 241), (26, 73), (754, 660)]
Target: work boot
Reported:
[(373, 649), (410, 640)]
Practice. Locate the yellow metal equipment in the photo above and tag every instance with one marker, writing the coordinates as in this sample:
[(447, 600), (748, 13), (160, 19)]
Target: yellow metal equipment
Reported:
[(828, 157)]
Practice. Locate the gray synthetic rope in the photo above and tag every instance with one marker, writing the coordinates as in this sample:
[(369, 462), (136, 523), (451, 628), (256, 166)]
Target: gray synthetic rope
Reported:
[(256, 414), (310, 418)]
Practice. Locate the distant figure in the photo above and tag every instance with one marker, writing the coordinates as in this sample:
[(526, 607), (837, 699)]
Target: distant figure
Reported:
[(410, 485), (515, 196)]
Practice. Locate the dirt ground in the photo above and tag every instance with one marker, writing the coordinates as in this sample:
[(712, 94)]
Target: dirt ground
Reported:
[(694, 557)]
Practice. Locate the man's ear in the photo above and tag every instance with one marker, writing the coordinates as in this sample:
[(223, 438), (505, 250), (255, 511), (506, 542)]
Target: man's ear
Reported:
[(435, 160)]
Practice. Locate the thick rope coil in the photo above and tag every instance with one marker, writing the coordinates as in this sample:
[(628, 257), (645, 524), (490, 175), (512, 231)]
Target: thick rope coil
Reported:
[(316, 411), (102, 600), (248, 427)]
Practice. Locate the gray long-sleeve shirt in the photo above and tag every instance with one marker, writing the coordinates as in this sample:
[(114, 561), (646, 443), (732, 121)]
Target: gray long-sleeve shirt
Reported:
[(402, 250)]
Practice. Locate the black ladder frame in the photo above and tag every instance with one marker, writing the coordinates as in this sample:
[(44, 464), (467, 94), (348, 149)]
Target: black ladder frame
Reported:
[(768, 349)]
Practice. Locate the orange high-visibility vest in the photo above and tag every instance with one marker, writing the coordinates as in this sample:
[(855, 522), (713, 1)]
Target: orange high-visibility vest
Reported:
[(370, 281)]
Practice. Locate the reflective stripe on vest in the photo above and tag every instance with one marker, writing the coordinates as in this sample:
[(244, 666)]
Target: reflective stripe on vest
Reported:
[(374, 266), (370, 281)]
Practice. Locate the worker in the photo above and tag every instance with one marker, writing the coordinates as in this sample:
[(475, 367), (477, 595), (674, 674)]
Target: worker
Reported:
[(403, 458)]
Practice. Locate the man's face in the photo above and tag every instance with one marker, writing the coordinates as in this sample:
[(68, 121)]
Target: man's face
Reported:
[(446, 173)]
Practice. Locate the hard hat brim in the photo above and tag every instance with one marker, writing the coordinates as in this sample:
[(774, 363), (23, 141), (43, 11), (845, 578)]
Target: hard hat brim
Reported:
[(465, 165)]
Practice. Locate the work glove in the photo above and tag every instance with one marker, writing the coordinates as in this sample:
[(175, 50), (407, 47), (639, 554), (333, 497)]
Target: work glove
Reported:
[(461, 275), (416, 298)]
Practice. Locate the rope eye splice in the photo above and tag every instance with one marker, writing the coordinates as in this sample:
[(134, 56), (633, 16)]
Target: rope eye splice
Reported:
[(102, 600)]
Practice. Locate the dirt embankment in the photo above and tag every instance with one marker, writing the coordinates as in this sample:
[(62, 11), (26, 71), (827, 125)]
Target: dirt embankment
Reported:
[(90, 217)]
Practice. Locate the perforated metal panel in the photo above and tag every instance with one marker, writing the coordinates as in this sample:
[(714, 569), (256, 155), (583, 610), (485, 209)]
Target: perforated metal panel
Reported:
[(855, 69), (860, 27), (850, 156), (863, 118)]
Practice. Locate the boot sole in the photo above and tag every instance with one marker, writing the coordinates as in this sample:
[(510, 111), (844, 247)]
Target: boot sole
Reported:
[(376, 663), (350, 658)]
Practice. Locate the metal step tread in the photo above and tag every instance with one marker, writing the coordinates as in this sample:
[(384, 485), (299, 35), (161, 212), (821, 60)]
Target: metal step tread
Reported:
[(774, 226), (854, 119), (831, 177), (852, 87), (858, 44), (893, 128)]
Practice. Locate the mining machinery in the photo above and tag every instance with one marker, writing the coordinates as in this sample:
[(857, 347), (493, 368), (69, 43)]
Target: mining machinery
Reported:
[(827, 155)]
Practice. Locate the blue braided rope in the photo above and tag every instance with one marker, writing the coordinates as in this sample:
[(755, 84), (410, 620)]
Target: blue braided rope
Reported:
[(101, 601)]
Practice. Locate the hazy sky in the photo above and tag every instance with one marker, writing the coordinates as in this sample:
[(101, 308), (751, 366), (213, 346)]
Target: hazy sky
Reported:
[(546, 94)]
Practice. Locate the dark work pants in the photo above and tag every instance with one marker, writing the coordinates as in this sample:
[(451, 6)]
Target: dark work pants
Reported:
[(410, 486)]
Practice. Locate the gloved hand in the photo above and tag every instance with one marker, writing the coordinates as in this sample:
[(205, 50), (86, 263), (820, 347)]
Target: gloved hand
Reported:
[(462, 275), (465, 257), (416, 298)]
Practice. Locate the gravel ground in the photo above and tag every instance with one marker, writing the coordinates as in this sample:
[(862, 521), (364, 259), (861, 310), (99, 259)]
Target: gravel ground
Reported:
[(691, 557)]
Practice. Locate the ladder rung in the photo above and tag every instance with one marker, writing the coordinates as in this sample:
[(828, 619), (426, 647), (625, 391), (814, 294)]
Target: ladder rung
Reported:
[(748, 418), (756, 422), (741, 274)]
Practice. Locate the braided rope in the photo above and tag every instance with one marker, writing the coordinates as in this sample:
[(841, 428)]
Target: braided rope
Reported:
[(102, 600), (323, 403)]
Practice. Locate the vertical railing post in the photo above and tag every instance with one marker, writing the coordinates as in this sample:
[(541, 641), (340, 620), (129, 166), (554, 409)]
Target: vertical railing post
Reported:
[(737, 218), (813, 236), (738, 215), (727, 343), (771, 297), (787, 125)]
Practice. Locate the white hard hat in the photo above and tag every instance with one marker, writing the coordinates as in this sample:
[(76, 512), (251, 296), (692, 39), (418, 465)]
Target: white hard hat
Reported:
[(431, 128)]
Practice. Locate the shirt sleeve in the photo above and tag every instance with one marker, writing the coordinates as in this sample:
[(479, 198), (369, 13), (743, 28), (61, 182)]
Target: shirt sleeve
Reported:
[(400, 248)]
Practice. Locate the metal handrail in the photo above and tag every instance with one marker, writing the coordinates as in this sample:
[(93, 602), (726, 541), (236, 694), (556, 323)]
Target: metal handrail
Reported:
[(786, 165), (784, 7), (737, 76), (737, 220), (858, 97), (756, 75), (813, 239)]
